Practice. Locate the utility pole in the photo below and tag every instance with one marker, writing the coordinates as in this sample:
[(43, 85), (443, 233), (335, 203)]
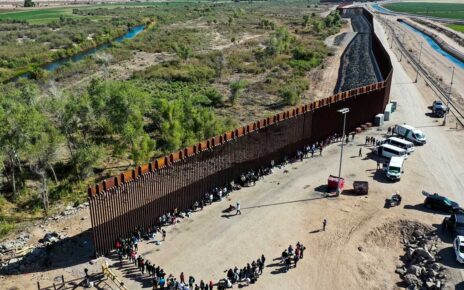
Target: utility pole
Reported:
[(343, 111), (449, 96), (402, 41), (418, 65)]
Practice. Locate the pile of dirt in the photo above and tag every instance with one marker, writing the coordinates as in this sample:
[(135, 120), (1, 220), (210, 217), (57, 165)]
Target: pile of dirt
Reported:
[(394, 232)]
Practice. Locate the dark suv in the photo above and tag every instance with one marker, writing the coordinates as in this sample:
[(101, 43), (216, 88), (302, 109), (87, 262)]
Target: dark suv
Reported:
[(454, 224), (438, 202)]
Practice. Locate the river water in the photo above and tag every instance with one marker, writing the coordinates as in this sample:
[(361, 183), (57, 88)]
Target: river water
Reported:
[(381, 9), (435, 46), (133, 32)]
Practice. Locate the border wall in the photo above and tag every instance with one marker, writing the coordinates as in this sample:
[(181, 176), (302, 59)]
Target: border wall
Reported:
[(138, 197)]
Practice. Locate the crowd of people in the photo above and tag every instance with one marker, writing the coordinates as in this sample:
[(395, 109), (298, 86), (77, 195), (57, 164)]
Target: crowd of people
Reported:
[(126, 250), (248, 274), (292, 256), (127, 247)]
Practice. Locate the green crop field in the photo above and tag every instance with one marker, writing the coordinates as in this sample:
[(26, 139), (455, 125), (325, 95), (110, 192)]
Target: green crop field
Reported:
[(457, 27), (47, 15), (442, 10), (39, 16)]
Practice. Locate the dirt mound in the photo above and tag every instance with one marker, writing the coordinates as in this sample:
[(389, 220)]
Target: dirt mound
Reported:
[(394, 232)]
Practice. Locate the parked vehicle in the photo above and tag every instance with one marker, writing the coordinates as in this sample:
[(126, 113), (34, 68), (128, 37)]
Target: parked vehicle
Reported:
[(389, 151), (395, 168), (361, 187), (438, 108), (395, 200), (401, 143), (438, 202), (454, 224), (410, 133), (458, 246)]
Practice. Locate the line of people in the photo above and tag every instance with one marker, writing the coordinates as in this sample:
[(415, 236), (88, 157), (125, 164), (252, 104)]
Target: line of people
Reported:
[(290, 255), (128, 247), (248, 274)]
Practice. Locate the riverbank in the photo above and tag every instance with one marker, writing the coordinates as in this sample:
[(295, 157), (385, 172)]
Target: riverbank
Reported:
[(454, 55)]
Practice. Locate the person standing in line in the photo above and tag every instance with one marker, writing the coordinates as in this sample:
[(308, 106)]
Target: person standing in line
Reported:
[(324, 224), (164, 234), (182, 278), (238, 209), (191, 281), (360, 152), (320, 152), (296, 258)]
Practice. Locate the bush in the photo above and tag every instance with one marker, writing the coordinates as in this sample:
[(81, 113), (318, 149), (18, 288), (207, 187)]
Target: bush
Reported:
[(236, 89), (291, 93), (289, 96), (184, 73), (217, 100)]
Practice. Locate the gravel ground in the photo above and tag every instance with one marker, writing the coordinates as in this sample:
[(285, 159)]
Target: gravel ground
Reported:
[(358, 66)]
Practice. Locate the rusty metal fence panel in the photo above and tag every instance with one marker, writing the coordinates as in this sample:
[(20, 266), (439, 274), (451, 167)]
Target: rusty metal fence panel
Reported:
[(140, 196)]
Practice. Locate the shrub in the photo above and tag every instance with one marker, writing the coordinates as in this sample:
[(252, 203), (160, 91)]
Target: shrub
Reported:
[(291, 93), (236, 89), (217, 100)]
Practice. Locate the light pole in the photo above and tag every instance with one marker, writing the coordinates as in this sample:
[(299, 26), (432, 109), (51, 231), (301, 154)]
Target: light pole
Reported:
[(449, 96), (402, 41), (391, 43), (344, 111), (417, 69)]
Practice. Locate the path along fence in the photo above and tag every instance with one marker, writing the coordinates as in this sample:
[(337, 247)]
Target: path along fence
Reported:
[(138, 197)]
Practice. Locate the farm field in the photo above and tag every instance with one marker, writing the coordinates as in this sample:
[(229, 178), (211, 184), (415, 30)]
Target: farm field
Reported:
[(39, 16), (442, 10), (457, 27), (50, 14)]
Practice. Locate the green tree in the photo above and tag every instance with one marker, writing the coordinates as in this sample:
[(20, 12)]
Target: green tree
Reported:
[(29, 3), (305, 20), (25, 131)]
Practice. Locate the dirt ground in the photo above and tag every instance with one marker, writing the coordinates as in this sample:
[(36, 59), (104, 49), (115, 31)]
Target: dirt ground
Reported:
[(322, 81), (361, 246)]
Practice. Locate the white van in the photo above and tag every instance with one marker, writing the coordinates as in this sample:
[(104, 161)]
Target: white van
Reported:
[(389, 151), (401, 143), (410, 133), (395, 168)]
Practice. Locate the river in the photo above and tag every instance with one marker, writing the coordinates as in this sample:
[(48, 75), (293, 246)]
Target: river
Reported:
[(133, 32), (435, 46)]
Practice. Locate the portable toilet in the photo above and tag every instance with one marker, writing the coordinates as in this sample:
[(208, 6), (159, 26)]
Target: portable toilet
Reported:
[(386, 114), (378, 120), (394, 103)]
